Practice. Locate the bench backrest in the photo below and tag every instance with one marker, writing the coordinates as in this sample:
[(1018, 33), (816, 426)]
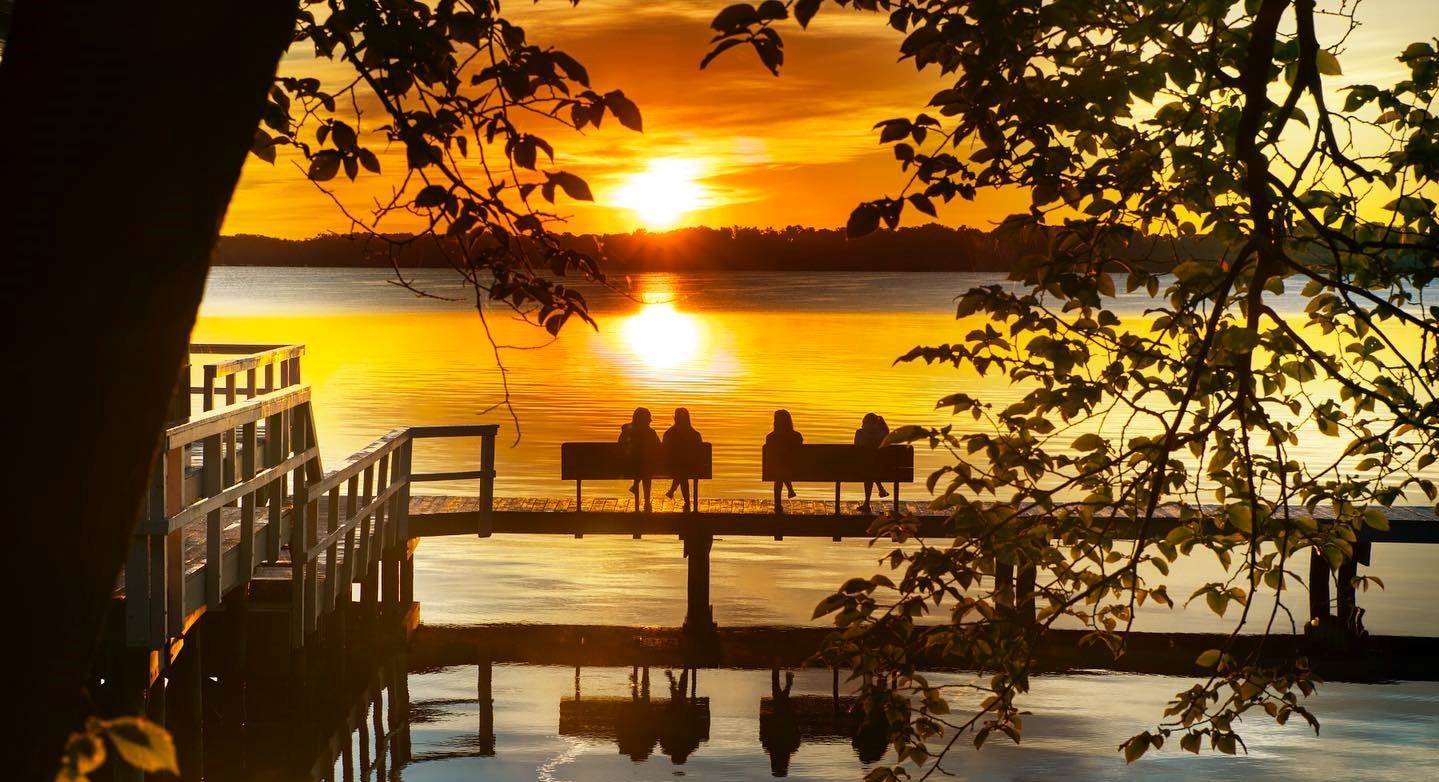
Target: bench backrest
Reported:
[(839, 463), (611, 461)]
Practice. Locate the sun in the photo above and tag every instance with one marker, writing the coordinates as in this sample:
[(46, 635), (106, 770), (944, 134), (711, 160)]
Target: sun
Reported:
[(662, 337), (662, 193)]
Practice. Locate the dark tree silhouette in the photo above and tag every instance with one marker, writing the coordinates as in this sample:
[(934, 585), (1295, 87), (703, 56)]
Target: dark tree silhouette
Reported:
[(131, 122), (1137, 443)]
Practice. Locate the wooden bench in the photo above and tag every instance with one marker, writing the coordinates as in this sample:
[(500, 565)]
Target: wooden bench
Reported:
[(840, 463), (580, 462)]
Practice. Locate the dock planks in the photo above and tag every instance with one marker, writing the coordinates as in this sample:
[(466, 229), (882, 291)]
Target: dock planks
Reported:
[(449, 515), (437, 515)]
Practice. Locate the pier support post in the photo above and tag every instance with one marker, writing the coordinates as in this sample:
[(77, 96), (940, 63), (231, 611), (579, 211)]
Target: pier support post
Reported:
[(1004, 583), (487, 706), (1346, 601), (1024, 589), (187, 707), (699, 614), (1318, 587), (390, 578)]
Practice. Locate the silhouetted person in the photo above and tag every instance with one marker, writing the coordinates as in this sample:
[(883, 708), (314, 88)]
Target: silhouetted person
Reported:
[(783, 440), (682, 450), (870, 434), (642, 446)]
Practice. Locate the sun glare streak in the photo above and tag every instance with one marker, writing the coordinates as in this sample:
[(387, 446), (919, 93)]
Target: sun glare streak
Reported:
[(662, 337), (662, 193)]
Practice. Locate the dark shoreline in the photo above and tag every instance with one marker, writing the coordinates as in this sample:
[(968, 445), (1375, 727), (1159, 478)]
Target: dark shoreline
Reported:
[(932, 248), (1378, 659)]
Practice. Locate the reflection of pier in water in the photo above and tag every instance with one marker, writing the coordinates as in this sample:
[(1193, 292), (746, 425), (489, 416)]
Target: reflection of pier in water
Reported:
[(786, 720), (678, 723)]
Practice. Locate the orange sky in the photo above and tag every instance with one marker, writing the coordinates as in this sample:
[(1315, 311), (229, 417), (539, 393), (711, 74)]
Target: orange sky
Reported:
[(764, 151)]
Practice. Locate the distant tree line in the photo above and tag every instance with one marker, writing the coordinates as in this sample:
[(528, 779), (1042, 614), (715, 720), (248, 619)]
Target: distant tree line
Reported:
[(923, 248)]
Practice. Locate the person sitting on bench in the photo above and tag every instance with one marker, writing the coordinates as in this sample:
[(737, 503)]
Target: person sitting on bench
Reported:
[(642, 446), (870, 434), (682, 450), (782, 438)]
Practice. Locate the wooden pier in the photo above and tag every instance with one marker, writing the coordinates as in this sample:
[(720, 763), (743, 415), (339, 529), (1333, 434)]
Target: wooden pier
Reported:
[(242, 507)]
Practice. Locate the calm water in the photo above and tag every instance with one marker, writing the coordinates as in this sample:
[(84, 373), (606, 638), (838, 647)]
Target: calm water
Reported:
[(435, 730), (732, 348)]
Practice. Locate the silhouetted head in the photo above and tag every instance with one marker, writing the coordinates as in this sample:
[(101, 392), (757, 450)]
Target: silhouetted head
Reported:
[(783, 422), (682, 418), (641, 417), (870, 420)]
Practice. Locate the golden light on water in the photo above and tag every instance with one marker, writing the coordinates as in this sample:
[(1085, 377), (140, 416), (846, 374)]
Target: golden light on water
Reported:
[(662, 337), (662, 193)]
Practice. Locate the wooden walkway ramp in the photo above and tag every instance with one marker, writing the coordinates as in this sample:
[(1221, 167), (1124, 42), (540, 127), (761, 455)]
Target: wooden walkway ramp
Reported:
[(238, 494)]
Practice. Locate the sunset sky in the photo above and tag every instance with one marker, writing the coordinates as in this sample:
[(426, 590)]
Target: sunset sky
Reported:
[(741, 146)]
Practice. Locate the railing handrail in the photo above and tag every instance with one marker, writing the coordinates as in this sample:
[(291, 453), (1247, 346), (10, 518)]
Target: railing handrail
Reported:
[(230, 348), (227, 418), (261, 356), (359, 460)]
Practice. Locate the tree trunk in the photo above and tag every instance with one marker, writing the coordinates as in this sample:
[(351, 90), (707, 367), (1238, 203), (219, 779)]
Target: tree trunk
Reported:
[(124, 131)]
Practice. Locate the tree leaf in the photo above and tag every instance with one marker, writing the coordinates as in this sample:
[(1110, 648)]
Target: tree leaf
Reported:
[(624, 110), (1208, 659), (573, 186), (735, 17), (1328, 64), (804, 10), (864, 220), (1135, 748), (143, 744), (1376, 519), (324, 165)]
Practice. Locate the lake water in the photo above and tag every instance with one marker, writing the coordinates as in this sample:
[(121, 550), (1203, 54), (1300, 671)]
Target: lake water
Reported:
[(731, 348)]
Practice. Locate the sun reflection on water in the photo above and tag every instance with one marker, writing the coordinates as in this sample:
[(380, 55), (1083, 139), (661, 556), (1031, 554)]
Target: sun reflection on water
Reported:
[(662, 337)]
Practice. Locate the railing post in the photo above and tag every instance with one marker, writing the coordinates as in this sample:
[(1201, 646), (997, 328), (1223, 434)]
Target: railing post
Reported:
[(487, 486), (367, 526), (332, 571), (232, 461), (402, 505), (274, 454), (352, 497), (207, 389), (210, 485), (299, 550), (249, 445)]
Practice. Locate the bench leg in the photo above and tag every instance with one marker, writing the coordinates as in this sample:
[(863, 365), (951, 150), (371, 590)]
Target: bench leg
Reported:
[(579, 497), (896, 497), (836, 498)]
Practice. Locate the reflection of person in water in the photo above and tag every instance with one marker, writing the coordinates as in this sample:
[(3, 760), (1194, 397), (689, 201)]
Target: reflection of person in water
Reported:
[(683, 726), (778, 728), (870, 740), (635, 729)]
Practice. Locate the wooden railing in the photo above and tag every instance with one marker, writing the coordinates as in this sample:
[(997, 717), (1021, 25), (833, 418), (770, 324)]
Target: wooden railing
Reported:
[(270, 438), (251, 362)]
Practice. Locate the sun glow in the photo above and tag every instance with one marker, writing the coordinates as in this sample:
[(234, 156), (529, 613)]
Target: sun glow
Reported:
[(662, 337), (663, 193)]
